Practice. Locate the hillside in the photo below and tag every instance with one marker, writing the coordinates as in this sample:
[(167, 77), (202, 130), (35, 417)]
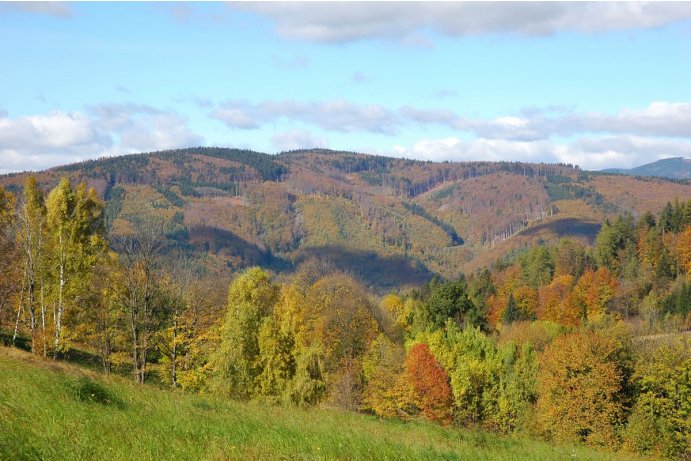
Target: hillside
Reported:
[(393, 222), (673, 168), (54, 411)]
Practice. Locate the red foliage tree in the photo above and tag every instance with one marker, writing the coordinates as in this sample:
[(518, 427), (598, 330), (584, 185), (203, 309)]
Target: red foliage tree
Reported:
[(429, 384)]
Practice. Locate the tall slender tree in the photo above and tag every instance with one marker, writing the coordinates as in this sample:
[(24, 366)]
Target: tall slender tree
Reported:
[(31, 239), (75, 228), (139, 291), (8, 254)]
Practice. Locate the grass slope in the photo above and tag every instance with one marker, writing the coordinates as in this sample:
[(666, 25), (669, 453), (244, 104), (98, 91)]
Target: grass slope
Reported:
[(55, 411)]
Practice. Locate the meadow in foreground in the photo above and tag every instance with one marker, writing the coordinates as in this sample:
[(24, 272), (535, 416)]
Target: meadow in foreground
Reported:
[(56, 411)]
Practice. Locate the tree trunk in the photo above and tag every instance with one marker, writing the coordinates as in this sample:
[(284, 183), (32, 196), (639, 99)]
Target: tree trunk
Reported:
[(58, 319), (43, 323), (174, 354)]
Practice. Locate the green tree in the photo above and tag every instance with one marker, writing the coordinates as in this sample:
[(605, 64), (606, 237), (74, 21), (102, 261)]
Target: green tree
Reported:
[(537, 266), (276, 360), (448, 300), (511, 313), (251, 298), (660, 422), (612, 241)]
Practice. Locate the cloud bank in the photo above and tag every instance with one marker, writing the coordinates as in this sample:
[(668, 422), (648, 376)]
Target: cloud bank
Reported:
[(593, 140), (41, 141), (341, 22)]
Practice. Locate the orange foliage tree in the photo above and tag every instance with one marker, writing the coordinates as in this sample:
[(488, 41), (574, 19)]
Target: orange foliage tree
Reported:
[(555, 302), (430, 384), (580, 389), (593, 293), (683, 250)]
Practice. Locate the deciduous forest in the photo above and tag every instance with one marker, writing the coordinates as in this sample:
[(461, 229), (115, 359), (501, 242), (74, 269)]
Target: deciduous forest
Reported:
[(565, 341)]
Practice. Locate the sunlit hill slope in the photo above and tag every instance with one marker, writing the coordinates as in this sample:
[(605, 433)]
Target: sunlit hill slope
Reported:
[(390, 221)]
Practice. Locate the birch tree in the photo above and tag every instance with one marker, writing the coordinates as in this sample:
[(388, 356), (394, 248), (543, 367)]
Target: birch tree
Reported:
[(31, 238), (75, 228), (8, 255)]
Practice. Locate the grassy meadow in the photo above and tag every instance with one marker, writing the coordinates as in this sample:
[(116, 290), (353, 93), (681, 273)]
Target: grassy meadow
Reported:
[(56, 411)]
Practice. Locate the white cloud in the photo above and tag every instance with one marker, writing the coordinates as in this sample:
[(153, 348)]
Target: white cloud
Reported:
[(57, 130), (588, 153), (481, 149), (332, 115), (158, 132), (238, 114), (41, 141), (662, 119), (424, 116), (622, 151), (338, 22), (297, 139), (658, 119)]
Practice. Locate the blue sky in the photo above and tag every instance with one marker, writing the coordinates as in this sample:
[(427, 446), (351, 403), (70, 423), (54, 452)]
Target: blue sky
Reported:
[(596, 84)]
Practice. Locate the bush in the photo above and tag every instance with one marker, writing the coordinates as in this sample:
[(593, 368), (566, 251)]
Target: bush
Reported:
[(89, 391)]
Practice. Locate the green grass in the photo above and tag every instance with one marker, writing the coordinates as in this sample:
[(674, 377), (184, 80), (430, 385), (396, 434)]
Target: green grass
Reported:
[(55, 411)]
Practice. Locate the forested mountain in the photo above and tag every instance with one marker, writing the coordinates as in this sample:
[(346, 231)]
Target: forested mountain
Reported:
[(362, 212), (673, 168)]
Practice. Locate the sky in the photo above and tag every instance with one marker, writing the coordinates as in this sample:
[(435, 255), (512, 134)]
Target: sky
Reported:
[(599, 85)]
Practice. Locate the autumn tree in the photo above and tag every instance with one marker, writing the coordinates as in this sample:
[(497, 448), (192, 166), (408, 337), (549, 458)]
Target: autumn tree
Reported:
[(683, 250), (9, 275), (581, 389), (75, 229), (139, 292), (384, 393), (308, 384), (339, 319), (393, 312), (593, 294), (99, 322), (570, 258), (526, 299), (555, 303), (31, 240), (430, 384)]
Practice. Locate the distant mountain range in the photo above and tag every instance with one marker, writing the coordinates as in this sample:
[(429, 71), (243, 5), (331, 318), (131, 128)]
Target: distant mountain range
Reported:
[(672, 168), (392, 222)]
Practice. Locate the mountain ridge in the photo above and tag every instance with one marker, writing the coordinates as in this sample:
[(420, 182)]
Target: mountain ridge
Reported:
[(235, 208), (672, 168)]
